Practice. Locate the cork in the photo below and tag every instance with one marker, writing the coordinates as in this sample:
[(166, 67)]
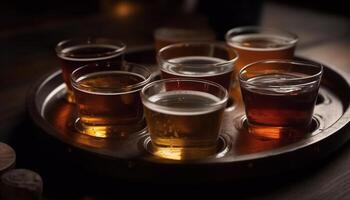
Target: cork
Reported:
[(21, 184)]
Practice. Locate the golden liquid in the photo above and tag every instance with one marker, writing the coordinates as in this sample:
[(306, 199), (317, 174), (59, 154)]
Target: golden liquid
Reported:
[(109, 110), (187, 128)]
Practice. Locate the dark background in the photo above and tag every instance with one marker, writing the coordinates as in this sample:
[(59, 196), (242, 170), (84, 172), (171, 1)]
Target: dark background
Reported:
[(222, 14)]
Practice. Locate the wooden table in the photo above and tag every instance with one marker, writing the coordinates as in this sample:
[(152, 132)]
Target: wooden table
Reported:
[(28, 53)]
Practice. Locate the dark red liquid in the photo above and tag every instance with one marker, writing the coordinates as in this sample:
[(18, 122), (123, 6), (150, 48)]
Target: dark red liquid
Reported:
[(281, 107)]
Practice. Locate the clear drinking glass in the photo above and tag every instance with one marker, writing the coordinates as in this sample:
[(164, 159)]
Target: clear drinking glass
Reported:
[(184, 117), (74, 53), (108, 98), (279, 96)]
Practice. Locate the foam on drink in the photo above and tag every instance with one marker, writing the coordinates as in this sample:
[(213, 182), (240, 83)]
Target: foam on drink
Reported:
[(184, 103), (261, 42)]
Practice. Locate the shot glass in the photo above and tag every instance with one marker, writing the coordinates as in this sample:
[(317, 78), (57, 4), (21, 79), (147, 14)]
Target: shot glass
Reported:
[(199, 60), (74, 53), (165, 36), (254, 43), (280, 96), (108, 98), (184, 117)]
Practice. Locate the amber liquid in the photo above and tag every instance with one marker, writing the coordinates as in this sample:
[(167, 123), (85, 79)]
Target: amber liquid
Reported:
[(106, 110), (196, 67), (279, 112), (78, 56), (255, 47), (184, 126)]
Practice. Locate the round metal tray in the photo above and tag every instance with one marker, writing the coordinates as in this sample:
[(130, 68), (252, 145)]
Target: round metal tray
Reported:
[(240, 155)]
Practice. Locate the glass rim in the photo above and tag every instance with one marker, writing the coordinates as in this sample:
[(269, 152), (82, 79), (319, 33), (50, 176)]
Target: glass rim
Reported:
[(241, 29), (149, 85), (111, 91), (109, 42), (187, 44), (309, 79)]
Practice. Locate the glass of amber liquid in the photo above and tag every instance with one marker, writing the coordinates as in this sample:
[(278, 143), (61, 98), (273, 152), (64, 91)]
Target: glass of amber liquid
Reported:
[(257, 43), (279, 96), (199, 60), (184, 117), (108, 98), (74, 53), (166, 35)]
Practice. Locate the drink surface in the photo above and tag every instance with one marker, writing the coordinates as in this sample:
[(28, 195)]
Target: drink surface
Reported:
[(196, 66), (186, 119), (203, 67), (107, 80), (184, 102), (281, 105), (89, 52), (103, 99), (260, 42)]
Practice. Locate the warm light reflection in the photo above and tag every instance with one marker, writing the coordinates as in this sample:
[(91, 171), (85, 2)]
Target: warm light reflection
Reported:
[(179, 153), (267, 132), (169, 153), (277, 133), (124, 9), (96, 131)]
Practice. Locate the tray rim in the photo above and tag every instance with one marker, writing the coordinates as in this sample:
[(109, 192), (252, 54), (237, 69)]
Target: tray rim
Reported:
[(341, 124)]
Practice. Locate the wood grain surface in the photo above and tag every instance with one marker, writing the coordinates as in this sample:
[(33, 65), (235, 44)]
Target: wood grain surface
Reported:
[(7, 157)]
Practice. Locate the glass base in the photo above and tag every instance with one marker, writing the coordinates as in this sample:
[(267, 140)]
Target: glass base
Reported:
[(278, 133), (220, 149), (181, 153), (106, 131)]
